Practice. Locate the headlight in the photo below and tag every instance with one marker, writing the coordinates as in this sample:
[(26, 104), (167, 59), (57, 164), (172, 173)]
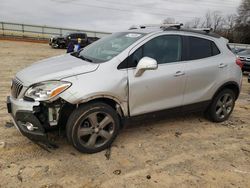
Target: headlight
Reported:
[(46, 90)]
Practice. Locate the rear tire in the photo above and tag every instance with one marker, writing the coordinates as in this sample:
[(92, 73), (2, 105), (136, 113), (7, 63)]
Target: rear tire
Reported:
[(222, 106), (92, 127)]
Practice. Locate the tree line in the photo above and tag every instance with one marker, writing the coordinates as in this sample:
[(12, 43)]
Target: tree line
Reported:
[(235, 27)]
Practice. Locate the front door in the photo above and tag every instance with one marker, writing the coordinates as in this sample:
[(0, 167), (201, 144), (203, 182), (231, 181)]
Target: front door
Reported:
[(157, 89)]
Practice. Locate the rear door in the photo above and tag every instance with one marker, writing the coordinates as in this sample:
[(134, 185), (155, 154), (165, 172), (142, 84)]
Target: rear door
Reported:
[(204, 69), (162, 88)]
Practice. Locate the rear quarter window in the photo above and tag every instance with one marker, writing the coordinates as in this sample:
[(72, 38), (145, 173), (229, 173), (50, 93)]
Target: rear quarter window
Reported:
[(215, 49)]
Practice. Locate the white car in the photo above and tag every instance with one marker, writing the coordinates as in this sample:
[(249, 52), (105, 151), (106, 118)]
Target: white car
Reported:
[(127, 74)]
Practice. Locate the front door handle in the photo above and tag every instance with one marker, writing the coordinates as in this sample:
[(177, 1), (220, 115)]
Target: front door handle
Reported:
[(179, 73), (222, 65)]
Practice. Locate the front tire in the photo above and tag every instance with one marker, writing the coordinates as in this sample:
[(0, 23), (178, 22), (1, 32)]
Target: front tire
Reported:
[(92, 127), (222, 106)]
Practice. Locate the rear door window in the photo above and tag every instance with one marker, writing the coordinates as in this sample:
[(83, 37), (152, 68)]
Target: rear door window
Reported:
[(199, 48)]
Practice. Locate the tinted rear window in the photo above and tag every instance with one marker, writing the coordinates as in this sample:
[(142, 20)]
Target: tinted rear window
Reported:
[(199, 48)]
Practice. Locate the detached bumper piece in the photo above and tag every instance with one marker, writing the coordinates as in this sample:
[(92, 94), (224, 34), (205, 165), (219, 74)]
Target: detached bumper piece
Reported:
[(29, 126)]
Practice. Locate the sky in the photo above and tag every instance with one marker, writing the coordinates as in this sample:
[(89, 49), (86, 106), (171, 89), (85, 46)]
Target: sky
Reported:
[(108, 15)]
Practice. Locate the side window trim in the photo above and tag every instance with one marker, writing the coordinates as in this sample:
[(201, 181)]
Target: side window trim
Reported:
[(185, 49), (214, 44)]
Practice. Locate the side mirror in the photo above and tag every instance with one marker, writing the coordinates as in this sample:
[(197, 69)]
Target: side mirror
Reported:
[(146, 63)]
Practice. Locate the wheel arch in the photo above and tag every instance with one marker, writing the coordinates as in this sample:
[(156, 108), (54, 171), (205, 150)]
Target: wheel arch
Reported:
[(109, 100), (229, 85)]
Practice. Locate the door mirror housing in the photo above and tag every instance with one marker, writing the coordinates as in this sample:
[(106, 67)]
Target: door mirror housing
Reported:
[(146, 63)]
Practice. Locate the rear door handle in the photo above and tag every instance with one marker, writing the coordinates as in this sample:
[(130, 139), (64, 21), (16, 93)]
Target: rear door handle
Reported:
[(222, 65), (179, 73)]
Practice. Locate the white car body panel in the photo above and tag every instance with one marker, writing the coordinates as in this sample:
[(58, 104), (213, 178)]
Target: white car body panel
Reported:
[(154, 90)]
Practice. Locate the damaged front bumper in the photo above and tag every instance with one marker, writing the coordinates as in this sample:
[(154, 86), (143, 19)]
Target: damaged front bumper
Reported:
[(23, 116)]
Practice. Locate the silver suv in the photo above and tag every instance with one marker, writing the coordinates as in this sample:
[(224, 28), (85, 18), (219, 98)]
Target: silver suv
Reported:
[(136, 72)]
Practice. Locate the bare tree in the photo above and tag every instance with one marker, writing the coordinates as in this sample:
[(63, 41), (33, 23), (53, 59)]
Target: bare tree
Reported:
[(207, 20), (229, 22), (227, 27), (234, 27), (168, 21), (213, 20), (243, 22), (194, 23), (197, 22), (217, 20), (244, 13)]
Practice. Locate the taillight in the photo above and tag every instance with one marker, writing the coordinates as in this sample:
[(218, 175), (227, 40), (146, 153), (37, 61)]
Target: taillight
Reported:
[(239, 63)]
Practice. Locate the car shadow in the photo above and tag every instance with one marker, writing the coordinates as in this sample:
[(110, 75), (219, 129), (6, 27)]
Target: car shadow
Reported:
[(149, 120)]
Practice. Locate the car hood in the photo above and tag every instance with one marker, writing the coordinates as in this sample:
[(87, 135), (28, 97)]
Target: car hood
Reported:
[(55, 68)]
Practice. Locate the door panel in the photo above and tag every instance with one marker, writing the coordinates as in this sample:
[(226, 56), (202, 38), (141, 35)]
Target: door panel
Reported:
[(202, 77), (203, 71), (156, 89)]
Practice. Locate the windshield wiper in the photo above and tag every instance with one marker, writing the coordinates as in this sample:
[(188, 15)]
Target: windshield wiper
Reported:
[(77, 54), (84, 58)]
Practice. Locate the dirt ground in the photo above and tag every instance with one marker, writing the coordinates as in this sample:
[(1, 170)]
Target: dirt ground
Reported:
[(182, 151)]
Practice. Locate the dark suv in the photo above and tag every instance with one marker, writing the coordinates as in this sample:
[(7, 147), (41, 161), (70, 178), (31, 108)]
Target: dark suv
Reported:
[(62, 42), (245, 58)]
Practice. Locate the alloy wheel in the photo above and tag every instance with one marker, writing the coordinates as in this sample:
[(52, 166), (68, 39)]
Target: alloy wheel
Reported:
[(224, 106), (96, 129)]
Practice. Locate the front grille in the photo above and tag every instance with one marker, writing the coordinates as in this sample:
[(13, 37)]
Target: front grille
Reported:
[(16, 87)]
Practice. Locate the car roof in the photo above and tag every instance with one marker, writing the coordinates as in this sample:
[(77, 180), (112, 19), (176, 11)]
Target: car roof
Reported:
[(157, 30), (69, 33)]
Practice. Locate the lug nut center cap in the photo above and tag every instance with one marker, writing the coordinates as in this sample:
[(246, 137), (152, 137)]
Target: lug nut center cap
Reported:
[(96, 130)]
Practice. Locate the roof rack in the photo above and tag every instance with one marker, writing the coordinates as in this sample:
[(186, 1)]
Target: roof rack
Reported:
[(207, 30), (162, 26), (174, 25), (144, 26)]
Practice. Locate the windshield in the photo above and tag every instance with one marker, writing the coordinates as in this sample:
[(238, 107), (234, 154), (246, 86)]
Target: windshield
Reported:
[(66, 34), (245, 52), (108, 47)]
